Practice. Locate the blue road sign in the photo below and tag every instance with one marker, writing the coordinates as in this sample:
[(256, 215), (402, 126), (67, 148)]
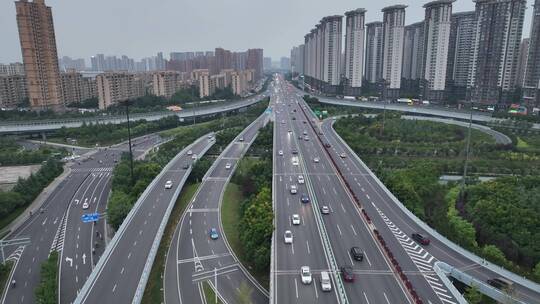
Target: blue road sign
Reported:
[(90, 217)]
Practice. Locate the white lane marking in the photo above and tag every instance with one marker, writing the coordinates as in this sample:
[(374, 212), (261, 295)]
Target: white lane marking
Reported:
[(335, 192), (296, 287), (338, 229), (365, 296), (343, 208), (122, 271), (308, 251), (114, 288), (386, 297), (315, 287), (354, 231)]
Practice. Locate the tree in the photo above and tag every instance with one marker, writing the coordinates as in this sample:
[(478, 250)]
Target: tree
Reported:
[(243, 294), (473, 296), (536, 271), (495, 255)]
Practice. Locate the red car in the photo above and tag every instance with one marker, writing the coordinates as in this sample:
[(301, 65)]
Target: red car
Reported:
[(347, 273), (420, 238)]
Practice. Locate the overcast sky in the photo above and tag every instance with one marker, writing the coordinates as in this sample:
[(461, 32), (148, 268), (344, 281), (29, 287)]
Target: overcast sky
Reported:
[(141, 28)]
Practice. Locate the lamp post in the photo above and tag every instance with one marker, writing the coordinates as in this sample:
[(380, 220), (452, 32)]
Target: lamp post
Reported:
[(467, 149)]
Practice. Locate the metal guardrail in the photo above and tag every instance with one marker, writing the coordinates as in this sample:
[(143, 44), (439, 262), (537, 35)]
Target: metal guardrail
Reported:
[(469, 255), (444, 270), (81, 297)]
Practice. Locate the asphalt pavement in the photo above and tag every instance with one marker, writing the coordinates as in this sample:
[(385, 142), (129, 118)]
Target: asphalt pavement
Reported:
[(194, 257)]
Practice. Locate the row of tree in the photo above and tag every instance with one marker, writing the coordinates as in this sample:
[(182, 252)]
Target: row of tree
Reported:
[(26, 190), (12, 154), (47, 290)]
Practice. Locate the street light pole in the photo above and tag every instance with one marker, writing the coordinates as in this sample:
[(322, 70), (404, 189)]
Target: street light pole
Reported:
[(129, 142), (468, 146), (215, 282)]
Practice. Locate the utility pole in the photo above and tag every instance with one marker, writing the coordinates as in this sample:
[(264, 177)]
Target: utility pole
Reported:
[(383, 118), (215, 282), (129, 142)]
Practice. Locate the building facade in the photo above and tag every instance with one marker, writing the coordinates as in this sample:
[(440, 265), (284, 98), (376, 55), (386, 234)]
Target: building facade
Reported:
[(522, 61), (437, 22), (393, 39), (166, 83), (499, 25), (13, 91), (531, 82), (38, 46), (76, 88), (255, 62), (16, 68), (460, 49), (374, 43), (115, 87), (354, 51), (413, 51)]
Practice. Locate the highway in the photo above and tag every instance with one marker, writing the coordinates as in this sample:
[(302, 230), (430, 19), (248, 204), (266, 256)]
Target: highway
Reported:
[(120, 274), (18, 127), (396, 225), (47, 229), (193, 257), (321, 242)]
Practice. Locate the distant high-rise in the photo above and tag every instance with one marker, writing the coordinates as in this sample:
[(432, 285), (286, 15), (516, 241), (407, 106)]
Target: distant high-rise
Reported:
[(496, 50), (38, 46), (522, 61), (285, 63), (115, 87), (374, 44), (413, 50), (166, 83), (223, 60), (76, 88), (354, 51), (297, 59), (13, 90), (15, 68), (531, 84), (331, 30), (460, 50), (267, 64), (255, 62), (437, 33), (393, 39)]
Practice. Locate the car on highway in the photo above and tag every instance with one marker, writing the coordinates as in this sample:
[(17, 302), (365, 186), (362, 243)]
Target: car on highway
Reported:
[(194, 156), (295, 161), (304, 122), (241, 139), (306, 138), (213, 234), (185, 166), (343, 155), (305, 132), (294, 151), (289, 131), (293, 118), (327, 145), (325, 210), (420, 238), (280, 152), (296, 219), (168, 184), (228, 166), (85, 205), (301, 179), (283, 122), (288, 237), (347, 273), (316, 160), (189, 152), (294, 189), (326, 283), (300, 137), (501, 283), (304, 198), (305, 274), (357, 254)]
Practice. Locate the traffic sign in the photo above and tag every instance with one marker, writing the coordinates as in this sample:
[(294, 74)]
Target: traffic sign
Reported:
[(90, 217)]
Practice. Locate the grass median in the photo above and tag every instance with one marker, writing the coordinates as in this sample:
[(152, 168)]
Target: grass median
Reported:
[(210, 295), (231, 215), (5, 270), (154, 288)]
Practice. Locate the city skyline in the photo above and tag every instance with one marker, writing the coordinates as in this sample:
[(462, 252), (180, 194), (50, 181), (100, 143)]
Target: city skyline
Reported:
[(102, 37)]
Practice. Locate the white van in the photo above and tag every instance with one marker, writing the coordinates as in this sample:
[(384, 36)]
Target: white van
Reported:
[(326, 284)]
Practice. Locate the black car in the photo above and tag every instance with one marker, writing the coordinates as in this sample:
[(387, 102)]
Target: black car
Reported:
[(347, 273), (294, 151), (327, 145), (420, 238), (357, 254), (501, 283), (185, 166), (304, 199)]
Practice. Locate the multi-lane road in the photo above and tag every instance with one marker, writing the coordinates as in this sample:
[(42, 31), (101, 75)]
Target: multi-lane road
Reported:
[(194, 257), (89, 181), (121, 273)]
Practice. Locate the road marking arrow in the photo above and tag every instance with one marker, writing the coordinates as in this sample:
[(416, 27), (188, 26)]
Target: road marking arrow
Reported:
[(84, 258), (70, 261)]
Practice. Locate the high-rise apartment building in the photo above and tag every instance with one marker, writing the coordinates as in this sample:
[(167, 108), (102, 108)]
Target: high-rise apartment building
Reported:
[(285, 63), (522, 62), (114, 87), (204, 84), (393, 39), (413, 50), (496, 50), (16, 68), (437, 33), (255, 62), (354, 51), (331, 30), (267, 63), (76, 88), (460, 50), (374, 43), (166, 83), (38, 46), (297, 59), (531, 83), (223, 59), (12, 90)]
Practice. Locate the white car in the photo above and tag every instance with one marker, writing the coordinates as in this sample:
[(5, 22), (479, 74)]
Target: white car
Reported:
[(85, 206), (288, 237), (326, 283), (305, 273), (343, 155), (194, 156), (301, 179), (228, 166), (325, 210), (316, 160), (280, 152), (168, 184), (189, 152), (295, 161), (296, 219), (305, 132), (294, 189)]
